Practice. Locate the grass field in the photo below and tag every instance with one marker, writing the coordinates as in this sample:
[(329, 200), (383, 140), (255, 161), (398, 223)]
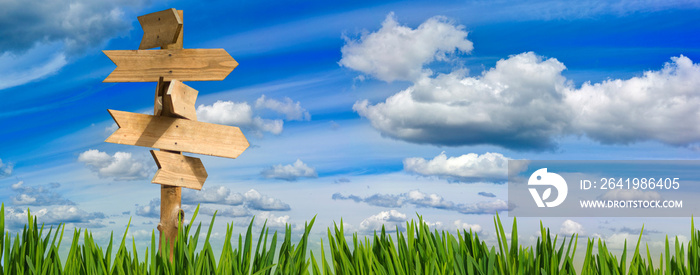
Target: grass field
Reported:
[(418, 250)]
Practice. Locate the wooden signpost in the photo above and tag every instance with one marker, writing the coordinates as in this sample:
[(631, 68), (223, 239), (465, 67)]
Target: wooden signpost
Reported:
[(173, 128)]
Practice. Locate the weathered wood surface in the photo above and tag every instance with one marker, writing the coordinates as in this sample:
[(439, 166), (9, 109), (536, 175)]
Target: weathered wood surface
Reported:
[(160, 28), (179, 100), (177, 170), (183, 65), (177, 134)]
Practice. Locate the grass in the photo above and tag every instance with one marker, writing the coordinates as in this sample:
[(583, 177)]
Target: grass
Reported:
[(418, 250)]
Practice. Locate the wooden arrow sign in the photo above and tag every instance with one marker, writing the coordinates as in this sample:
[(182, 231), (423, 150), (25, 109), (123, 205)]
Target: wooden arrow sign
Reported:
[(176, 134), (184, 65), (160, 28), (178, 170), (179, 100)]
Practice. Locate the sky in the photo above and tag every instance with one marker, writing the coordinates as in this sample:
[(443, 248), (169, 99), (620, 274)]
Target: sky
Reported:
[(373, 112)]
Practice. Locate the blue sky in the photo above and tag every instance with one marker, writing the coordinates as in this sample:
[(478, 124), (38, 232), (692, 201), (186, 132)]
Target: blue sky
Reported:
[(369, 111)]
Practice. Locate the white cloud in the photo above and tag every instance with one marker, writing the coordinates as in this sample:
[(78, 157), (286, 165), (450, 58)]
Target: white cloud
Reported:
[(79, 24), (420, 199), (660, 105), (257, 201), (120, 166), (6, 169), (290, 172), (38, 195), (456, 226), (630, 194), (16, 70), (292, 110), (484, 207), (223, 195), (389, 219), (238, 114), (525, 103), (273, 222), (569, 227), (397, 52), (152, 210), (467, 168), (213, 194), (515, 105), (17, 217)]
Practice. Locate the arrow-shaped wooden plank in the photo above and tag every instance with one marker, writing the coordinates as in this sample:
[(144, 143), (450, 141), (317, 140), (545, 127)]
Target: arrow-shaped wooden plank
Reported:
[(179, 100), (178, 170), (176, 134), (184, 65), (160, 28)]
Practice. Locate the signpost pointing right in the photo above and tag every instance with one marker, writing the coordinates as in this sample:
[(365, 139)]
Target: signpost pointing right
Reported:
[(173, 127), (183, 65)]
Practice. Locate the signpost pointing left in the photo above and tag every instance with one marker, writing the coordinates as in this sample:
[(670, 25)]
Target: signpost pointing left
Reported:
[(173, 127)]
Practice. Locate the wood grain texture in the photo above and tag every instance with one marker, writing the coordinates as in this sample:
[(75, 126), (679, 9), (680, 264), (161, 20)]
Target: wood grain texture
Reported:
[(160, 28), (177, 134), (179, 100), (178, 42), (177, 170), (184, 65)]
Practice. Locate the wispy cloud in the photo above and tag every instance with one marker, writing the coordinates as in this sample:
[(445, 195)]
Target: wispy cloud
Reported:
[(290, 172), (292, 110), (6, 168)]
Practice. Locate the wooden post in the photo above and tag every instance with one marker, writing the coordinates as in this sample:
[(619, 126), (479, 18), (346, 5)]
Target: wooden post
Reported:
[(170, 196), (173, 127)]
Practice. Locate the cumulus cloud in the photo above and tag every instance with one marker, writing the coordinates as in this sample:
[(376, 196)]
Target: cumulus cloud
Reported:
[(257, 201), (6, 169), (420, 199), (234, 204), (77, 24), (290, 172), (389, 219), (38, 195), (515, 105), (120, 166), (525, 103), (273, 222), (569, 227), (151, 210), (465, 168), (37, 41), (213, 194), (54, 215), (291, 110), (659, 105), (240, 115), (397, 52)]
